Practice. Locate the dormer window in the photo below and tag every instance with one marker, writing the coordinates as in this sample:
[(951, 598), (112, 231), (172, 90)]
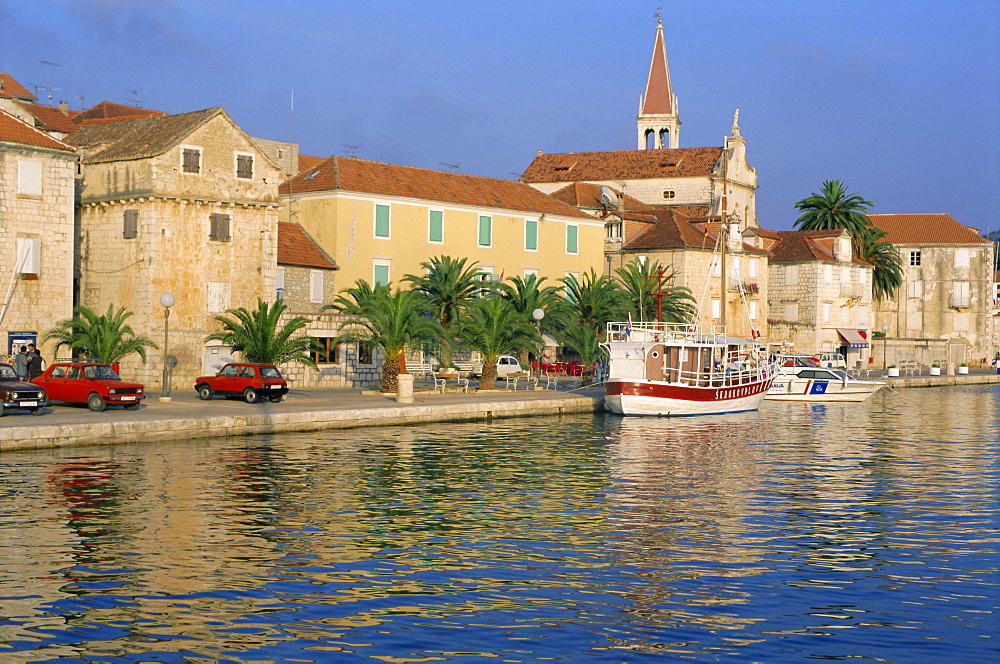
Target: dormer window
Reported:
[(244, 166), (668, 194)]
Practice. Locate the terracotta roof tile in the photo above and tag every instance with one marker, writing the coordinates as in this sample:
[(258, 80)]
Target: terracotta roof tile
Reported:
[(806, 246), (308, 161), (925, 228), (622, 165), (296, 247), (9, 87), (139, 139), (49, 118), (108, 111), (14, 130), (375, 177), (587, 196)]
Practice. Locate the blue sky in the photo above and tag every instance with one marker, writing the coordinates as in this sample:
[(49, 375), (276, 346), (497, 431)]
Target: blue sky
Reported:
[(901, 100)]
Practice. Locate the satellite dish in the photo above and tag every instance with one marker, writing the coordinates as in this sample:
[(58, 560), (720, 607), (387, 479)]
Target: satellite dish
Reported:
[(609, 196)]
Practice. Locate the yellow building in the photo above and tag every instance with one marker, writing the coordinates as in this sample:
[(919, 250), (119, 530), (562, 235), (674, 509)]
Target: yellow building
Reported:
[(380, 221)]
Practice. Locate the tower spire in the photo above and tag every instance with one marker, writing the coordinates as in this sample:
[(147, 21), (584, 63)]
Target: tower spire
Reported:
[(659, 118)]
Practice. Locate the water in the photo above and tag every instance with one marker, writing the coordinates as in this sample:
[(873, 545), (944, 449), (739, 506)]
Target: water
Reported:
[(802, 531)]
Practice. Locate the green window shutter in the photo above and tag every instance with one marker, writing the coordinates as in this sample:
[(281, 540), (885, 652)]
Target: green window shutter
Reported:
[(381, 221), (485, 231), (531, 235), (435, 229), (572, 239), (381, 275)]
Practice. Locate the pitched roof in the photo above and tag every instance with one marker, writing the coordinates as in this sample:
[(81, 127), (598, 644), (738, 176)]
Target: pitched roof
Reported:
[(107, 112), (925, 228), (307, 161), (14, 130), (375, 177), (622, 165), (9, 87), (139, 139), (587, 196), (49, 118), (807, 246), (673, 230), (296, 247), (659, 98)]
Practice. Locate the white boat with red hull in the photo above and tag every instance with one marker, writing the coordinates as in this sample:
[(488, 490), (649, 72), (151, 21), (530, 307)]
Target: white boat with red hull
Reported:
[(669, 370)]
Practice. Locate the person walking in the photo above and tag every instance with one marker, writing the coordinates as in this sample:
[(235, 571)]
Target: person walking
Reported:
[(21, 363), (35, 362)]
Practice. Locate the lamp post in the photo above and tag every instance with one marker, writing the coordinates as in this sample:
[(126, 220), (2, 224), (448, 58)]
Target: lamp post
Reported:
[(538, 315), (166, 300), (885, 343)]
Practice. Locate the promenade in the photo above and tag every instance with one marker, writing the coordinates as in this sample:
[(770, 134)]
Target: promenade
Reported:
[(185, 416)]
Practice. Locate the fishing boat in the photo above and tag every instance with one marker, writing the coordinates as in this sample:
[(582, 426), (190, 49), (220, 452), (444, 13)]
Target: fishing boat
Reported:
[(679, 369), (804, 379)]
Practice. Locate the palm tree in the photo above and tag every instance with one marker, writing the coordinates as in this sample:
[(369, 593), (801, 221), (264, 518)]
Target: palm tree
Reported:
[(591, 301), (587, 345), (449, 285), (640, 281), (261, 338), (835, 208), (525, 295), (106, 337), (392, 321), (887, 272), (492, 327)]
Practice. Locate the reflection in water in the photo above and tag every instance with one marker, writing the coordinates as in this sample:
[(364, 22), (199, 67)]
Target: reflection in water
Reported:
[(799, 531)]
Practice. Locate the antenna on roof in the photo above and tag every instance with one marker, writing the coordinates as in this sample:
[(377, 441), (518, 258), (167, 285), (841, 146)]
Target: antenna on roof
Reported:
[(42, 87), (453, 167), (50, 65), (83, 106), (135, 96), (351, 149)]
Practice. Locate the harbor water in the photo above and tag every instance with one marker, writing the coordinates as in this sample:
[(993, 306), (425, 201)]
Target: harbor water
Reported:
[(863, 532)]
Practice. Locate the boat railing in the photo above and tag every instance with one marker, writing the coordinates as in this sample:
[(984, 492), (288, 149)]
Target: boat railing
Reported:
[(663, 332), (722, 376)]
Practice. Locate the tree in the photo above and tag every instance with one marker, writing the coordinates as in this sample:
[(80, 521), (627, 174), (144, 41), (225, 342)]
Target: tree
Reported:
[(587, 345), (260, 337), (449, 285), (591, 301), (835, 208), (492, 327), (106, 337), (640, 281), (887, 272), (392, 321), (525, 295)]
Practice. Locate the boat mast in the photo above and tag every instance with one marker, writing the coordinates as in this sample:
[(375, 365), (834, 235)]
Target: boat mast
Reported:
[(724, 238)]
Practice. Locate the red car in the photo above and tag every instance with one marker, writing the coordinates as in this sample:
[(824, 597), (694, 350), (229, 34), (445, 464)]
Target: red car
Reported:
[(254, 382), (96, 385)]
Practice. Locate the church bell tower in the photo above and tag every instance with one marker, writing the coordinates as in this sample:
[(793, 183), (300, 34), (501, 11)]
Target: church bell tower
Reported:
[(659, 121)]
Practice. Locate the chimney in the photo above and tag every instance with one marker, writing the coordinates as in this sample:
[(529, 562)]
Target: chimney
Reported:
[(64, 107)]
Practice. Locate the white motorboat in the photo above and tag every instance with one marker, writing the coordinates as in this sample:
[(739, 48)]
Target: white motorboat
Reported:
[(804, 380)]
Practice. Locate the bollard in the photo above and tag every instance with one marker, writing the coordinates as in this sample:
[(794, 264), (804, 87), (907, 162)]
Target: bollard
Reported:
[(951, 368), (404, 388)]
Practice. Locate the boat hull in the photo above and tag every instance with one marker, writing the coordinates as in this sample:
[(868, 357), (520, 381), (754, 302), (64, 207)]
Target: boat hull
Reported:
[(662, 399), (804, 389)]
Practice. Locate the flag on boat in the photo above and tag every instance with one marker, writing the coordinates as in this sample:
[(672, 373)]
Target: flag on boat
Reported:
[(628, 326), (754, 333)]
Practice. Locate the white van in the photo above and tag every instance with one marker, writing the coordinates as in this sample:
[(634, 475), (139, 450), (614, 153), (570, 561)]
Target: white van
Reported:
[(506, 364), (832, 361)]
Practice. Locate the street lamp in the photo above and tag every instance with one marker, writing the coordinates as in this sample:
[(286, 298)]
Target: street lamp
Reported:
[(538, 315), (166, 300), (885, 343)]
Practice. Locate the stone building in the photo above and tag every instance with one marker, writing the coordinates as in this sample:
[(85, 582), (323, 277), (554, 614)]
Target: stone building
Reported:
[(819, 294), (185, 204), (36, 230), (941, 313)]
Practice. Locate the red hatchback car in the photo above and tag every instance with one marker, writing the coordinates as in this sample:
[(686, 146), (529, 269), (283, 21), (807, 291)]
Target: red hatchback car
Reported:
[(96, 385), (254, 382)]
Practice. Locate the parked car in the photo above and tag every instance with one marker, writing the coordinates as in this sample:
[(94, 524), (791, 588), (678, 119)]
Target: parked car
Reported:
[(833, 361), (96, 385), (16, 393), (506, 364), (254, 382)]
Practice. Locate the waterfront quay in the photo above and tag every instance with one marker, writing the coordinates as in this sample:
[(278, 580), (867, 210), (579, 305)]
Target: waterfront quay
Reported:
[(311, 409)]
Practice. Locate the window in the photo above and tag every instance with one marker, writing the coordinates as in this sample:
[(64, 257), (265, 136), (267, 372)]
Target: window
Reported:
[(914, 320), (792, 313), (862, 316), (914, 258), (792, 275), (244, 166), (530, 235), (486, 276), (229, 371), (845, 275), (325, 351), (380, 272), (382, 226), (716, 265), (219, 227), (754, 267), (826, 312), (961, 258), (279, 282), (130, 225), (29, 256), (218, 296), (574, 278), (485, 231), (960, 294), (364, 353), (435, 226), (247, 372), (191, 160), (29, 177), (828, 273), (845, 315), (716, 309), (915, 288), (613, 230), (753, 310), (668, 194), (315, 285), (961, 323), (530, 272), (572, 239)]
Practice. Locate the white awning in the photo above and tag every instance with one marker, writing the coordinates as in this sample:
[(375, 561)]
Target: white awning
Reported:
[(854, 338)]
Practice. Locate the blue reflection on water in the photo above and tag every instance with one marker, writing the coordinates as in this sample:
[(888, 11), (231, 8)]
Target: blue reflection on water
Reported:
[(802, 531)]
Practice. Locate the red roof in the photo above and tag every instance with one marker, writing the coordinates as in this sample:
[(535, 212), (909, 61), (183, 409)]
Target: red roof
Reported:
[(9, 87), (375, 177), (307, 161), (587, 196), (807, 246), (14, 130), (296, 247), (622, 165), (106, 112), (659, 97), (925, 228), (50, 118)]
